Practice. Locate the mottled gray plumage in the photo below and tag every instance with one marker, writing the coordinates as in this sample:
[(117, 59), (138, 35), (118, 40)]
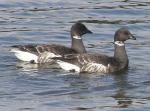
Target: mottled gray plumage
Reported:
[(38, 49), (99, 62)]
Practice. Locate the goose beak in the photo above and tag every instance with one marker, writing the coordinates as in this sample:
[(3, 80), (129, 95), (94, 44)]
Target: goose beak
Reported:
[(131, 36), (90, 32)]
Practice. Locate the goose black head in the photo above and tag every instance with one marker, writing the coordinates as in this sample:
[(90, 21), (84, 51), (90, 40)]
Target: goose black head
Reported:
[(123, 34), (79, 29)]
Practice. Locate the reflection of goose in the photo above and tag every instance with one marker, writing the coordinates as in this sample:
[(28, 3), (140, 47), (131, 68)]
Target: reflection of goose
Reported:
[(28, 66), (122, 84), (123, 100), (99, 62), (35, 53)]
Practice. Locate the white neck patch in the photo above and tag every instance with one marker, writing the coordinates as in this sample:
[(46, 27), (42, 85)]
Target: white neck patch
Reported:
[(76, 37), (119, 43)]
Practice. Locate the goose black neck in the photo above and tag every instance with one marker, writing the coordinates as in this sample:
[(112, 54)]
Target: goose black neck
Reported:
[(77, 45), (121, 56)]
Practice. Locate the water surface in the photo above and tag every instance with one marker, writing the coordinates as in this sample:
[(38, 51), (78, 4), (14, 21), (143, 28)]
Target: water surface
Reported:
[(26, 87)]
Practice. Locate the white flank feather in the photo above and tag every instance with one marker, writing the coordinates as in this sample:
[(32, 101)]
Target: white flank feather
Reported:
[(68, 66), (50, 54), (46, 57), (25, 56), (94, 67)]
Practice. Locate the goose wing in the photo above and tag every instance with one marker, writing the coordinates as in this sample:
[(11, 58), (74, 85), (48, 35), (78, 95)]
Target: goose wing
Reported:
[(38, 49)]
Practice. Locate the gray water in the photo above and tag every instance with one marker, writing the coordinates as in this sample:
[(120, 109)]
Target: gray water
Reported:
[(25, 87)]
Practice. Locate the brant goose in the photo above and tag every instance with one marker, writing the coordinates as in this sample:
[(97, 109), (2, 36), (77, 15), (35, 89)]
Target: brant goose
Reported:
[(38, 53), (98, 62)]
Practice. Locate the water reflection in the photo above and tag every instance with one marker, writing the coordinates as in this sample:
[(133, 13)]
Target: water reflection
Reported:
[(28, 68), (84, 85), (29, 21), (121, 81)]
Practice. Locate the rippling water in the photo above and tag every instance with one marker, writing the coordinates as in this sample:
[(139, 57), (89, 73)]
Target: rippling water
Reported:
[(26, 87)]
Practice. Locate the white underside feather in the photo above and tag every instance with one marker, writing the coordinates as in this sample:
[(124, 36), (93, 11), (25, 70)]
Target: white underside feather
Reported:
[(25, 56), (68, 66)]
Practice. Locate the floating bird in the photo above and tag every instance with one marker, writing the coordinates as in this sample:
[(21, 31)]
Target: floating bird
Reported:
[(37, 53), (99, 62)]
